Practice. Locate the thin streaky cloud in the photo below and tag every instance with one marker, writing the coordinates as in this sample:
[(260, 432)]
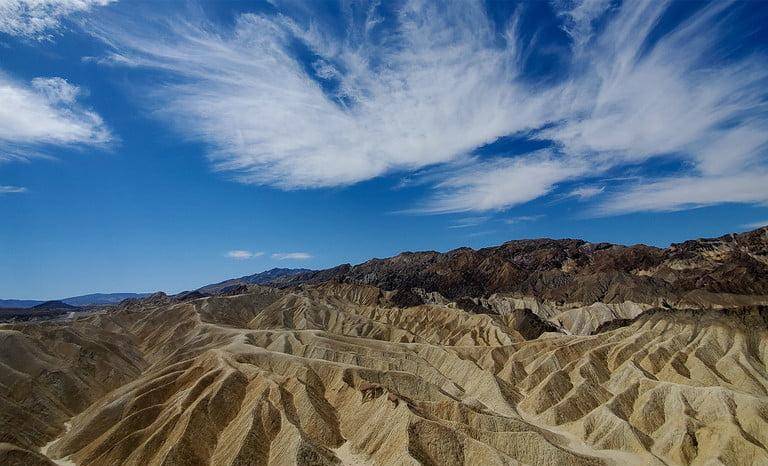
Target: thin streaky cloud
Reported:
[(480, 233), (291, 256), (240, 254), (498, 183), (755, 225), (522, 219), (680, 193), (40, 19), (585, 192), (12, 189), (468, 222)]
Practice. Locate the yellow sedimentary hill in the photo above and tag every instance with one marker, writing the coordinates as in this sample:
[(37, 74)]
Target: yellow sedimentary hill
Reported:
[(337, 374)]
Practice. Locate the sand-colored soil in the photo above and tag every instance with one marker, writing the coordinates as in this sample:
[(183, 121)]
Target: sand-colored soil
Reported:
[(336, 374)]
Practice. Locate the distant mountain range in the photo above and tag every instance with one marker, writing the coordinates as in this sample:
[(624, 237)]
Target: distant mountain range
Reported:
[(97, 299), (261, 278), (100, 299), (84, 300)]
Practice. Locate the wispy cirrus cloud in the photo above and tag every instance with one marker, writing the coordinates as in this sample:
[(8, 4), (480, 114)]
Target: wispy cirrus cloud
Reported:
[(437, 88), (428, 84), (299, 256), (498, 183), (755, 225), (585, 192), (679, 193), (522, 219), (56, 90), (241, 254), (676, 98), (12, 189), (468, 222), (45, 113), (40, 19), (579, 18)]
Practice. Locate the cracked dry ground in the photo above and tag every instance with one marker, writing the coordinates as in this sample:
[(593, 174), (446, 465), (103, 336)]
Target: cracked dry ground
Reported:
[(333, 375)]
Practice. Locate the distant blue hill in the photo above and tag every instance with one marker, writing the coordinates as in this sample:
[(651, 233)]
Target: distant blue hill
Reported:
[(19, 303), (84, 300)]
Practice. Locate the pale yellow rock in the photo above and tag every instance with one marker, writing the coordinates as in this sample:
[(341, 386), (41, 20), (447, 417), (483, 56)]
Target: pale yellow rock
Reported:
[(337, 375)]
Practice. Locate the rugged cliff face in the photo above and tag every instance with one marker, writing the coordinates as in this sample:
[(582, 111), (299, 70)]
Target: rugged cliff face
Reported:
[(575, 271)]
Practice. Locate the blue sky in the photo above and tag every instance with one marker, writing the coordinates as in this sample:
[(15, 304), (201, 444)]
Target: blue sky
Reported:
[(162, 146)]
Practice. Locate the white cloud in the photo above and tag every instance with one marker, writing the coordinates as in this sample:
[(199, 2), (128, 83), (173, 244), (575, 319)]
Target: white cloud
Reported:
[(111, 59), (468, 222), (580, 16), (669, 100), (586, 192), (475, 234), (498, 183), (522, 219), (56, 90), (291, 256), (240, 254), (441, 89), (44, 113), (40, 19), (444, 81), (755, 225), (325, 70), (678, 193), (12, 189)]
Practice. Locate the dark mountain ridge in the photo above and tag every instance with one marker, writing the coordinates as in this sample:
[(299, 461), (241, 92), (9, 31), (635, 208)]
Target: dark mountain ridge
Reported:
[(260, 278), (44, 310), (60, 305), (570, 270)]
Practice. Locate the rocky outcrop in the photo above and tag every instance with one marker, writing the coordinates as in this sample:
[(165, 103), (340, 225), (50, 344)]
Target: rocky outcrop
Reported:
[(730, 268), (255, 279)]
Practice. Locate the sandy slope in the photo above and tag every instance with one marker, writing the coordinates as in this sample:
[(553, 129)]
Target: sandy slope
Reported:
[(338, 375)]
